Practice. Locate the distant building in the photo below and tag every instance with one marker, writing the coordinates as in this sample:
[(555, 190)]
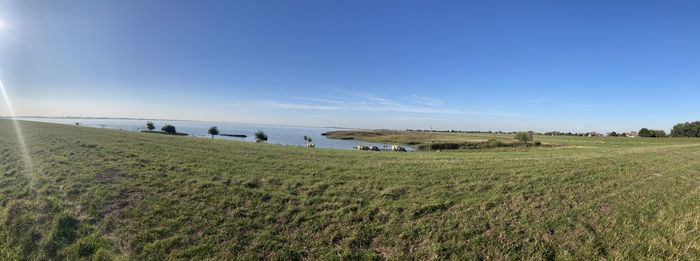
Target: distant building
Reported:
[(632, 134)]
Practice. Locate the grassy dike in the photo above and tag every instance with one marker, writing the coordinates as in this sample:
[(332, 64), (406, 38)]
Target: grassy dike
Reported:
[(106, 194)]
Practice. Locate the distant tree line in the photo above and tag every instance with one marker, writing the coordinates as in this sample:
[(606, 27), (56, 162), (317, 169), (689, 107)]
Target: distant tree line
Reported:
[(615, 134), (464, 131), (686, 129)]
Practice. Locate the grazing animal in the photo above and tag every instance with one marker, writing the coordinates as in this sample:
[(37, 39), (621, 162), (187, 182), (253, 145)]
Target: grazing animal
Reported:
[(398, 148), (360, 147), (375, 148), (311, 145)]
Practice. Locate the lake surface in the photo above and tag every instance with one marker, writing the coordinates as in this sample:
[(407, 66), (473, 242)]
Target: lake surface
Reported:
[(277, 134)]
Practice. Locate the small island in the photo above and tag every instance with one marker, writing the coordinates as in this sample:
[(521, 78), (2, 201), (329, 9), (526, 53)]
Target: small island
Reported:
[(235, 135)]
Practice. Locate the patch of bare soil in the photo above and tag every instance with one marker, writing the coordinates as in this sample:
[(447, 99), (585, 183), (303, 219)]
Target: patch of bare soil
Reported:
[(124, 200), (108, 175)]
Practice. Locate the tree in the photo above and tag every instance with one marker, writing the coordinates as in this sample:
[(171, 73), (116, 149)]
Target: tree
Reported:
[(523, 137), (644, 132), (169, 129), (260, 136), (688, 129), (150, 126), (213, 130), (613, 134)]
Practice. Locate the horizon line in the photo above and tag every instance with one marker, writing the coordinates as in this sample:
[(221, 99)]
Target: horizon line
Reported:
[(289, 125)]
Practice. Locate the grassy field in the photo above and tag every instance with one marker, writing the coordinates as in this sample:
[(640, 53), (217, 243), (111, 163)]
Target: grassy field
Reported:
[(419, 138), (106, 194)]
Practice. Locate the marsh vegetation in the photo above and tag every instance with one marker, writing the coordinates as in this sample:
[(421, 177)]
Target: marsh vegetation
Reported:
[(433, 141)]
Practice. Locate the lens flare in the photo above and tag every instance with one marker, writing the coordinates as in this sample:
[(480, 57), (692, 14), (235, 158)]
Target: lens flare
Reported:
[(18, 129)]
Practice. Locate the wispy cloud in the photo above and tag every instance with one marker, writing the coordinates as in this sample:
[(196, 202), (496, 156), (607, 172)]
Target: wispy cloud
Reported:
[(329, 101), (370, 102), (427, 101), (299, 106), (412, 118), (358, 101)]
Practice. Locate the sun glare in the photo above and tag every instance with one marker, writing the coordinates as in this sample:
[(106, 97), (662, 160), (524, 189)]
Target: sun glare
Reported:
[(18, 129), (3, 25)]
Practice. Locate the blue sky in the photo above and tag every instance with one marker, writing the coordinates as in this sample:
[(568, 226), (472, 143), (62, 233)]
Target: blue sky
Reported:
[(477, 65)]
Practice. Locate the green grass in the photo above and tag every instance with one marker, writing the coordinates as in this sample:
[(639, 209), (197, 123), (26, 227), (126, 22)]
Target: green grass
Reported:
[(107, 194), (427, 139)]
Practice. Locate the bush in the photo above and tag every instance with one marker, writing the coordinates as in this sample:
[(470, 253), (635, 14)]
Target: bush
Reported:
[(688, 129), (169, 129), (494, 143), (524, 137), (260, 136), (150, 126), (659, 134)]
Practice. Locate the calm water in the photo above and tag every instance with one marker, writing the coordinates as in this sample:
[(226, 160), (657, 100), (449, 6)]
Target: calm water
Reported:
[(277, 134)]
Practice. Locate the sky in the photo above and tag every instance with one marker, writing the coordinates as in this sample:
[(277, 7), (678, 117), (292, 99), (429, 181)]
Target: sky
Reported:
[(469, 65)]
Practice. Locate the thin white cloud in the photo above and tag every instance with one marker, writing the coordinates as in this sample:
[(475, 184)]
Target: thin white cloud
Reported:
[(411, 118), (427, 101), (300, 106), (329, 101), (368, 103)]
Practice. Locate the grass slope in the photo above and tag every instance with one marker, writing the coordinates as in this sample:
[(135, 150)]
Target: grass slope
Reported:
[(107, 194)]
